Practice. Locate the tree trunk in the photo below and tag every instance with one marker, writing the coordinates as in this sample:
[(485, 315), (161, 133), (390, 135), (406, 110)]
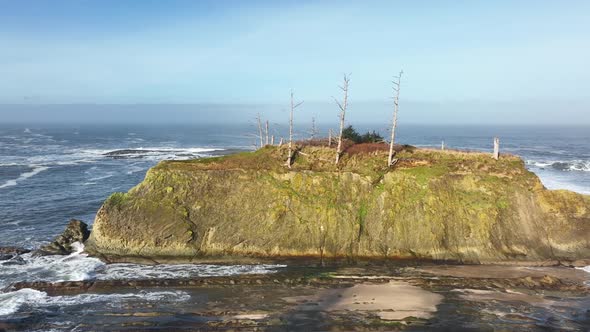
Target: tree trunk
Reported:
[(342, 107), (266, 130), (396, 88), (496, 148), (260, 130), (290, 156), (293, 107)]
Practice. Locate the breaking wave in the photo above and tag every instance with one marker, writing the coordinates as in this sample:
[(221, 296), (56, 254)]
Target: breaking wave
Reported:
[(160, 153), (36, 169), (559, 165), (85, 156), (78, 266), (11, 302)]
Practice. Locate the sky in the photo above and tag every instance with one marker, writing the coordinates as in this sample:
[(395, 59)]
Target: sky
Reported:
[(463, 61)]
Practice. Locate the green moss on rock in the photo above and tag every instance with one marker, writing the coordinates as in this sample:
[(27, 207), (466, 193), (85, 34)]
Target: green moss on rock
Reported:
[(434, 205)]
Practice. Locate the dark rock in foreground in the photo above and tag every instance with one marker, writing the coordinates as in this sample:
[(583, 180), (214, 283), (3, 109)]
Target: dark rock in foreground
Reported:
[(7, 253), (76, 231)]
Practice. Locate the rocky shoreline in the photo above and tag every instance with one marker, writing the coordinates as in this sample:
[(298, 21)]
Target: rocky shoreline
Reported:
[(333, 294), (363, 297)]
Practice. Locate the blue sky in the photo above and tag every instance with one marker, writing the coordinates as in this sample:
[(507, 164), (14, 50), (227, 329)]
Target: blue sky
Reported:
[(531, 57)]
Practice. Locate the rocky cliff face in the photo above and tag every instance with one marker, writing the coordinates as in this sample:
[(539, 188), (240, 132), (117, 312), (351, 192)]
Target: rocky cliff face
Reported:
[(432, 205)]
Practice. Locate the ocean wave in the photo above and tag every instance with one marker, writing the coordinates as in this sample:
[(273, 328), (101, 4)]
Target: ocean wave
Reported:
[(54, 268), (134, 169), (159, 153), (586, 269), (561, 165), (36, 169), (11, 302), (78, 266), (106, 176), (121, 271), (57, 156)]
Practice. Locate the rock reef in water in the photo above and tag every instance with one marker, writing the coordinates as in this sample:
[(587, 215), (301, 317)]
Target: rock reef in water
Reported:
[(76, 231), (440, 205)]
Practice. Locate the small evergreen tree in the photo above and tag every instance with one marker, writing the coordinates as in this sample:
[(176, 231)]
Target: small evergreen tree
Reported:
[(371, 137), (351, 134)]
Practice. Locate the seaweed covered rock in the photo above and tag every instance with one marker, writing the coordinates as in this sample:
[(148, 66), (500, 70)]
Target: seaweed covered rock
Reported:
[(76, 231), (441, 205)]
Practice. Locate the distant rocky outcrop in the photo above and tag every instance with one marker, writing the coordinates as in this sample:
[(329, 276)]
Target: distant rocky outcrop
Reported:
[(76, 231), (440, 205)]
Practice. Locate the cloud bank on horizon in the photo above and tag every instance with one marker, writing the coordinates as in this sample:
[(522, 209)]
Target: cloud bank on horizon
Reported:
[(457, 55)]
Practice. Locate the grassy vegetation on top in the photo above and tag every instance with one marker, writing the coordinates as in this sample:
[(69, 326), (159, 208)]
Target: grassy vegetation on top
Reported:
[(365, 159)]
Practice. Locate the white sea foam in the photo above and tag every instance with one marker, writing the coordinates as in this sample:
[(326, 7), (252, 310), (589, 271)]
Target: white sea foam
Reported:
[(102, 177), (74, 267), (10, 302), (160, 153), (78, 266), (57, 156), (553, 182), (586, 269), (175, 271), (36, 169), (134, 169), (562, 165)]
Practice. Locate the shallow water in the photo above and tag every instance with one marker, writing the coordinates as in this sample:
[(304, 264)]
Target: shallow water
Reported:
[(78, 266)]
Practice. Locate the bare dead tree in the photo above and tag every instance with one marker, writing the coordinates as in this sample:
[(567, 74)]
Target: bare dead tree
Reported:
[(266, 132), (281, 142), (342, 107), (272, 140), (396, 88), (496, 148), (259, 120), (442, 145), (313, 131), (293, 107), (330, 137)]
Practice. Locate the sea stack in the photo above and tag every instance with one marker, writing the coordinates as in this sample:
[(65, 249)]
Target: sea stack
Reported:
[(435, 205)]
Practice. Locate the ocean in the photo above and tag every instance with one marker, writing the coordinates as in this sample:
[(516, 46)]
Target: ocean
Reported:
[(52, 173)]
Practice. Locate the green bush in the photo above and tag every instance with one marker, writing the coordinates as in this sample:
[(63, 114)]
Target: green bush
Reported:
[(369, 137)]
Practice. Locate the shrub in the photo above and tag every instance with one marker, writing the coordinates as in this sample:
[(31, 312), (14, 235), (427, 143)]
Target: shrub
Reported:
[(369, 137)]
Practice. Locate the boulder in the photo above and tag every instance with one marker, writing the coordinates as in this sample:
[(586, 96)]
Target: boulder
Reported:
[(76, 231), (7, 253)]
